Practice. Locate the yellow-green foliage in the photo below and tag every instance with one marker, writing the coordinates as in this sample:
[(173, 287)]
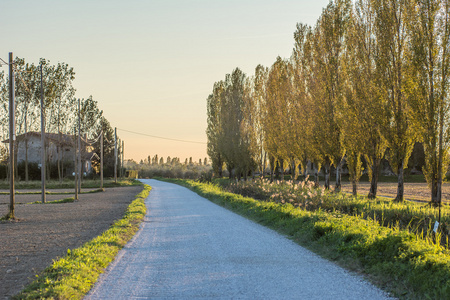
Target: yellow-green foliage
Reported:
[(72, 277), (404, 263)]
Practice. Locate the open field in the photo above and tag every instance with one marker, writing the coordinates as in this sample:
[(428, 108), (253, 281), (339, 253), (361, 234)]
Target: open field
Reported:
[(413, 191), (45, 232)]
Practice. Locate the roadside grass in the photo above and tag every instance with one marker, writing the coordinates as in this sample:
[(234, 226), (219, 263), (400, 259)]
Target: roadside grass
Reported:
[(68, 184), (406, 264), (417, 218), (72, 276)]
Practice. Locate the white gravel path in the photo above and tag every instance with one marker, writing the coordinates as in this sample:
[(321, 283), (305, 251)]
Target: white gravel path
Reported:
[(190, 248)]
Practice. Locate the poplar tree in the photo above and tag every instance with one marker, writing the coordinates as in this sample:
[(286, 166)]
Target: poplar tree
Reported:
[(430, 30), (278, 120), (259, 96), (363, 114), (392, 62), (214, 130), (301, 104), (328, 50)]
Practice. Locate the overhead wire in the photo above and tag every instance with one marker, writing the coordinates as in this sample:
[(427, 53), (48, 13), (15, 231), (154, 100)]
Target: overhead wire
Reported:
[(162, 138), (3, 62), (129, 131)]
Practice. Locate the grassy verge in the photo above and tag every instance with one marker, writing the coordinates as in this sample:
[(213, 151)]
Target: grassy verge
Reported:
[(394, 259), (72, 276), (417, 218)]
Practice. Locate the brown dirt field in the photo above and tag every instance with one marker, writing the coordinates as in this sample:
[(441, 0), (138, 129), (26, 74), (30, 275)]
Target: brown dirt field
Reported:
[(412, 191), (45, 232)]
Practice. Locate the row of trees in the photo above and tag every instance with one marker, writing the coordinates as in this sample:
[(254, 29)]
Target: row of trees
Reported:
[(366, 82), (155, 160), (60, 104)]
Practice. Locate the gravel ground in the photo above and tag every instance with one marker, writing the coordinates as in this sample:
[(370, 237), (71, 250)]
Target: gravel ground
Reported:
[(189, 247), (45, 232)]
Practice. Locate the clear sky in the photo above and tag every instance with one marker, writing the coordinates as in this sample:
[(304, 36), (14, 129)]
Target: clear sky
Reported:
[(152, 64)]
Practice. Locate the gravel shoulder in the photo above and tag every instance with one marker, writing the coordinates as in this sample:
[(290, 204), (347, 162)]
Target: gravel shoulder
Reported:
[(45, 232), (188, 247)]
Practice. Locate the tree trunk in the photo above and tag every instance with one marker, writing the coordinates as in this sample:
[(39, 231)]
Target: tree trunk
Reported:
[(434, 190), (355, 187), (264, 165), (316, 175), (338, 185), (220, 171), (326, 169), (59, 158), (294, 170), (400, 187), (272, 167), (26, 156), (374, 182), (277, 170), (440, 159), (282, 169)]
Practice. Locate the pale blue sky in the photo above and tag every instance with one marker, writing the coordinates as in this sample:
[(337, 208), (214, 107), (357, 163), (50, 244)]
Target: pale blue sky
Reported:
[(152, 64)]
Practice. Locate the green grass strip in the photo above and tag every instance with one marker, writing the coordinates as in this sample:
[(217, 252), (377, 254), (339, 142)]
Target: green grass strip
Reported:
[(73, 276), (394, 259)]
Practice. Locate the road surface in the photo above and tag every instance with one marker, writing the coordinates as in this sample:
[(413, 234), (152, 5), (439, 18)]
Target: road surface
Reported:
[(190, 248)]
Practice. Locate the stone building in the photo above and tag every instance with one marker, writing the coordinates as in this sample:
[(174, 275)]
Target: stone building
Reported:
[(58, 146)]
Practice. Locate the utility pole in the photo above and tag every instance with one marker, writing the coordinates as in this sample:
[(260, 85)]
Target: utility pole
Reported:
[(79, 145), (101, 160), (12, 136), (115, 154), (75, 161), (119, 158), (42, 140), (123, 158)]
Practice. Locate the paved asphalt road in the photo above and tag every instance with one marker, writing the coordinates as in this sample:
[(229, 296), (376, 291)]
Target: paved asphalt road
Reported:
[(190, 248)]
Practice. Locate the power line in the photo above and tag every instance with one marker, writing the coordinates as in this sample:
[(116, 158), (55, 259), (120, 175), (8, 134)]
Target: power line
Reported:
[(4, 62), (163, 138)]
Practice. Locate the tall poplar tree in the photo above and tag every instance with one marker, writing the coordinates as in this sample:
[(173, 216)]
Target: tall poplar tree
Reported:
[(392, 62), (363, 112), (259, 95), (301, 104), (329, 48), (430, 31), (214, 131)]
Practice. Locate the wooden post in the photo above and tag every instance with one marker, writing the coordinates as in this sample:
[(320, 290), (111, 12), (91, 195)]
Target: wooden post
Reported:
[(75, 161), (123, 158), (79, 146), (42, 140), (101, 160), (115, 155), (12, 136)]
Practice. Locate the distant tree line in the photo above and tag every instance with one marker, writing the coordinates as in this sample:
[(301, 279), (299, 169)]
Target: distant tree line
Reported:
[(156, 166), (61, 110), (366, 82)]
